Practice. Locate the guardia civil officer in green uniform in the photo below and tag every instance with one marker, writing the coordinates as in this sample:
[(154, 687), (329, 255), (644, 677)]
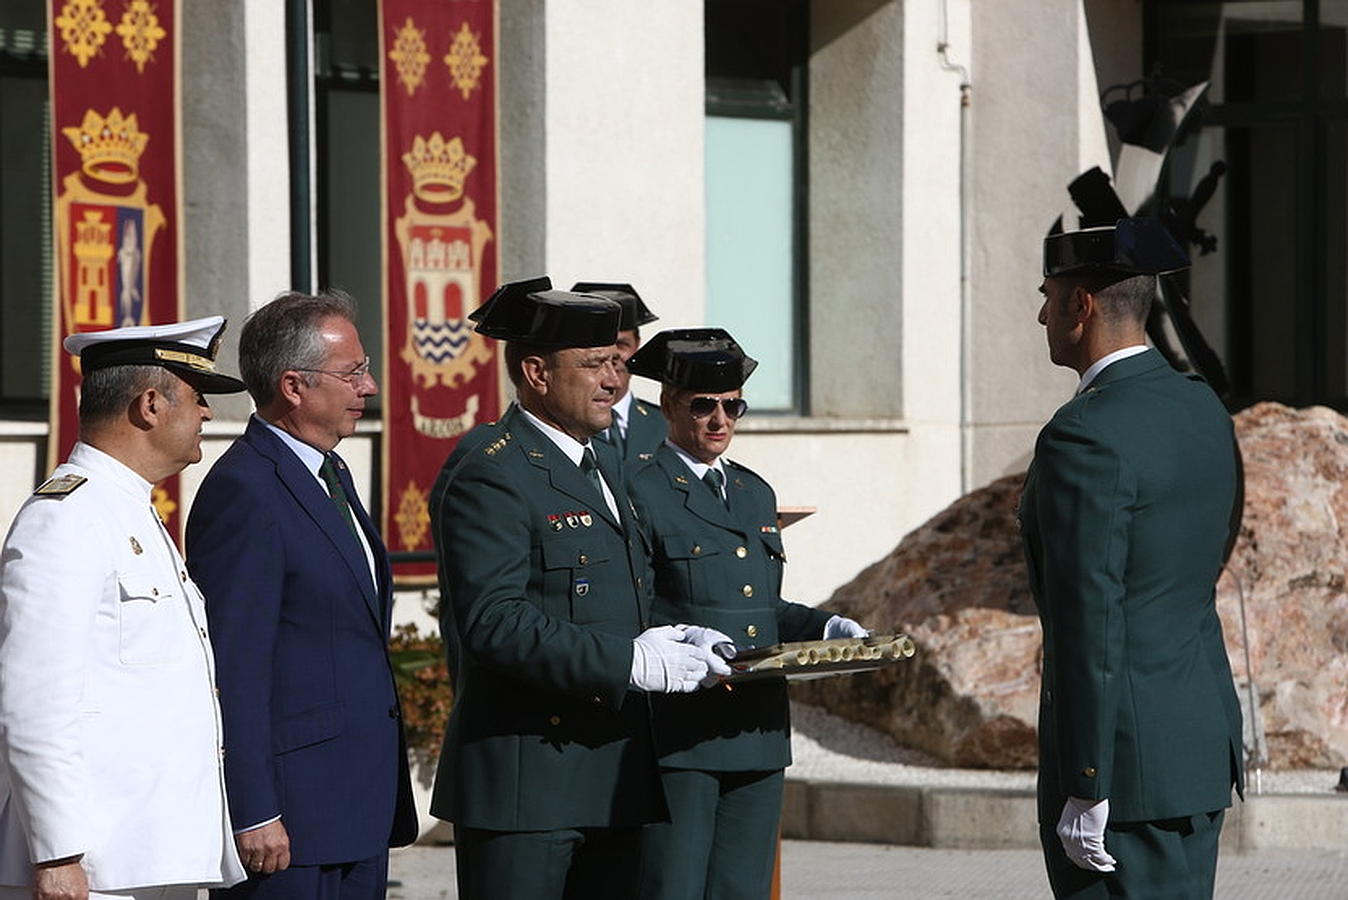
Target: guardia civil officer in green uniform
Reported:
[(1126, 512), (718, 564), (638, 428), (548, 769)]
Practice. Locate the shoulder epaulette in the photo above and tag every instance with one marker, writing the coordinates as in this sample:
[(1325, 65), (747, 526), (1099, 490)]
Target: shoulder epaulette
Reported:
[(60, 486), (495, 446), (743, 467)]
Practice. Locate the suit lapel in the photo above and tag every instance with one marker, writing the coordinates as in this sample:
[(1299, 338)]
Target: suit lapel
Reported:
[(699, 500), (563, 474), (382, 587), (740, 499), (317, 505), (642, 431)]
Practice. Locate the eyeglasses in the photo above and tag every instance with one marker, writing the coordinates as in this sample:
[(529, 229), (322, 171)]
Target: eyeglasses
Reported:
[(353, 377), (734, 407)]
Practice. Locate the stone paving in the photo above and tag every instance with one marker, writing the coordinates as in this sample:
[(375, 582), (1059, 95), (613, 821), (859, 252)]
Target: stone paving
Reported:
[(822, 871)]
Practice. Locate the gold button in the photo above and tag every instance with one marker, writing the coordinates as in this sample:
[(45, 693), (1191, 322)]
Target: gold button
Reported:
[(583, 559), (747, 590), (554, 720), (751, 630), (1089, 771), (697, 548), (741, 552), (638, 582)]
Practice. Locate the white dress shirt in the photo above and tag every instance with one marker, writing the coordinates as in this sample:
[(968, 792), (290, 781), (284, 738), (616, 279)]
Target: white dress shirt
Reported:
[(622, 413), (573, 450), (312, 458)]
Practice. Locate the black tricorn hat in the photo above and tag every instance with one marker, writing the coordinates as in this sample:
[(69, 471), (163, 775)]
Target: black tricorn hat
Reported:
[(635, 312), (532, 312), (187, 349), (1137, 246), (695, 359)]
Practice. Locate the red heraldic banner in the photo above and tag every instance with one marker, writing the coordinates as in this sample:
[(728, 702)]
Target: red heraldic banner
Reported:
[(114, 101), (438, 64)]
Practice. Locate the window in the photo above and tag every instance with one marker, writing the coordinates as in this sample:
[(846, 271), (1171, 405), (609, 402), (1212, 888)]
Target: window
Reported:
[(1273, 299), (25, 211), (346, 97), (755, 52)]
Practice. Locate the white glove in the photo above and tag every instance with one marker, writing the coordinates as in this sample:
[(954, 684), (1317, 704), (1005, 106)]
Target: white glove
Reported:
[(663, 663), (843, 627), (1082, 832), (707, 639)]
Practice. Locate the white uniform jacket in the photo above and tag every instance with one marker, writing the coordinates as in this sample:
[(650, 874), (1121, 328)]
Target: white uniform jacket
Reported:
[(110, 736)]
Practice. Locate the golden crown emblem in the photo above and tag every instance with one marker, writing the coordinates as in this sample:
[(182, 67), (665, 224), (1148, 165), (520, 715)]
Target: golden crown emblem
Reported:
[(109, 148), (439, 168)]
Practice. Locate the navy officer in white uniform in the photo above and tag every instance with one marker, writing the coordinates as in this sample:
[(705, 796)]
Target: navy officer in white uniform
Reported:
[(111, 778)]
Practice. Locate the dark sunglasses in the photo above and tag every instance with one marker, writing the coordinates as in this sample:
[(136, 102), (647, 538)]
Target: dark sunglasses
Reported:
[(734, 407)]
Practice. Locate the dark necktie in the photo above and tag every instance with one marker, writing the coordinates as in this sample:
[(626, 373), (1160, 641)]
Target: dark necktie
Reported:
[(616, 432), (328, 472), (714, 479), (589, 466)]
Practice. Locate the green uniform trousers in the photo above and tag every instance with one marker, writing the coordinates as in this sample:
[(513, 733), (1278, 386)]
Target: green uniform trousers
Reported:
[(565, 864), (721, 840), (1173, 859)]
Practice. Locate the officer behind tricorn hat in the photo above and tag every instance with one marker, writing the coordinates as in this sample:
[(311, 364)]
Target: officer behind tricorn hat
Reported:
[(718, 562), (545, 587), (638, 428), (107, 694)]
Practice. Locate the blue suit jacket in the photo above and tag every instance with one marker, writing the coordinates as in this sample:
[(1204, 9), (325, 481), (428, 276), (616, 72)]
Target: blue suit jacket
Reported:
[(312, 724)]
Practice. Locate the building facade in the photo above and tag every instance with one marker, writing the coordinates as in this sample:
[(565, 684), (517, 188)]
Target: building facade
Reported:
[(857, 189)]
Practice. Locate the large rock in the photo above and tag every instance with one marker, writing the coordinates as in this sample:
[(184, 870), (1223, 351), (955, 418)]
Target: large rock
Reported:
[(958, 586)]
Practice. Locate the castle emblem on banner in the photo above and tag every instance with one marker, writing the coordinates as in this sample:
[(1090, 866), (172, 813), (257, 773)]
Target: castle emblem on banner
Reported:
[(442, 265), (106, 227)]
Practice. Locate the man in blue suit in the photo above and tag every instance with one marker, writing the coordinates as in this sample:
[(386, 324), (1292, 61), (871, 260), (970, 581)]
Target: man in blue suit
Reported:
[(298, 595)]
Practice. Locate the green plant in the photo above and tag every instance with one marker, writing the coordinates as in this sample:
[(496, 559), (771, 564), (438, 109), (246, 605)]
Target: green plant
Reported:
[(422, 678)]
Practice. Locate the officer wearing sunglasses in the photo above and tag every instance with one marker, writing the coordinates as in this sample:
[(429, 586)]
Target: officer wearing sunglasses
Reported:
[(717, 558)]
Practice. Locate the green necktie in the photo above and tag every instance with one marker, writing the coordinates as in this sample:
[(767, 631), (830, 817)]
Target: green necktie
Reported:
[(328, 472), (714, 479), (616, 431), (590, 467)]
